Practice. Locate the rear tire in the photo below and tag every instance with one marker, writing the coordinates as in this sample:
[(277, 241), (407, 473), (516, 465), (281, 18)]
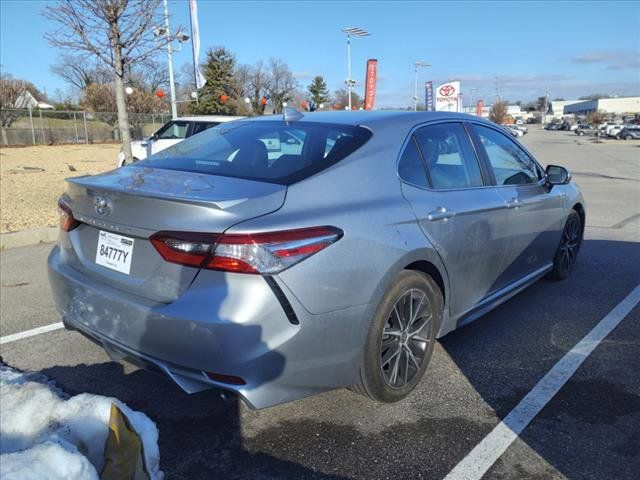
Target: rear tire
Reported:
[(628, 137), (567, 252), (401, 338)]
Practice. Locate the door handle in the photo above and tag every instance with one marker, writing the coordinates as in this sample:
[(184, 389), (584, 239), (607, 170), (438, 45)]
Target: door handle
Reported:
[(440, 213), (514, 203)]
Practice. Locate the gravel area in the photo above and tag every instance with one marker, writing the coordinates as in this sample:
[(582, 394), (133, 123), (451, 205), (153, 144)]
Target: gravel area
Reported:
[(32, 179)]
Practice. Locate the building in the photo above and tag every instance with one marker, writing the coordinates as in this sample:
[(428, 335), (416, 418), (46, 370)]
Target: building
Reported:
[(607, 105), (27, 100), (555, 108)]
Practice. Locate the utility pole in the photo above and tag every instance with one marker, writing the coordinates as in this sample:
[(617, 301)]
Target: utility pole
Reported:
[(472, 90), (172, 86), (415, 83), (497, 90)]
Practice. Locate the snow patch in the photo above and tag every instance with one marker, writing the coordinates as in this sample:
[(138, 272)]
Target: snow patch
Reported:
[(44, 434)]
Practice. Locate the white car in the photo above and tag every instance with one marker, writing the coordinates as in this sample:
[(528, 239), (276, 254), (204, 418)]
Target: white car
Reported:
[(513, 130), (615, 130), (172, 132)]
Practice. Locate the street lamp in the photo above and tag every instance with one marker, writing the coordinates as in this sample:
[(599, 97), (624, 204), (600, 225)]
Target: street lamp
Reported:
[(352, 32), (472, 90), (415, 82), (163, 31)]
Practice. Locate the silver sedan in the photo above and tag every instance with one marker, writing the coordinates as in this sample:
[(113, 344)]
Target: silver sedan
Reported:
[(282, 256)]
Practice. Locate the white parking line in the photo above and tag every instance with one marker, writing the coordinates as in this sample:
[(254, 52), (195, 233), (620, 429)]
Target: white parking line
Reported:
[(484, 455), (30, 333)]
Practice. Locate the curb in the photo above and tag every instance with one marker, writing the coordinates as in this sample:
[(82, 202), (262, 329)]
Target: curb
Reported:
[(28, 237)]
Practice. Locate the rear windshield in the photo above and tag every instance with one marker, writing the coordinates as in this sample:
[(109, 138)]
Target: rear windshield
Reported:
[(276, 152)]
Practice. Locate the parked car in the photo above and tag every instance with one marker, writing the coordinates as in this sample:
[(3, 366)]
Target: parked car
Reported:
[(172, 132), (551, 126), (521, 127), (513, 131), (613, 131), (583, 129), (630, 132), (607, 129), (281, 256)]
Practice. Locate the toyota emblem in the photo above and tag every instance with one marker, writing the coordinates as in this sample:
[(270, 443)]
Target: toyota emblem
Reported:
[(102, 205), (447, 90)]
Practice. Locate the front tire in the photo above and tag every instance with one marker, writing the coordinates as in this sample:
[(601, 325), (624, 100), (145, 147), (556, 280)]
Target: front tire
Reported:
[(569, 246), (401, 338)]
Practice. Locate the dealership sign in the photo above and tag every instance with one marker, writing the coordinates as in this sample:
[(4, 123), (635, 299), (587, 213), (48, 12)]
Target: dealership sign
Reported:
[(448, 97), (370, 84), (428, 96)]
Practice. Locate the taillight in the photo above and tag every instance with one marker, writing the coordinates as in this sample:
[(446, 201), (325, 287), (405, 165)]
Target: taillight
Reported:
[(263, 253), (67, 222)]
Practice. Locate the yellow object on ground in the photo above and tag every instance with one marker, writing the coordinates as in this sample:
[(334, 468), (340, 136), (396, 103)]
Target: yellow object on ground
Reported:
[(123, 450)]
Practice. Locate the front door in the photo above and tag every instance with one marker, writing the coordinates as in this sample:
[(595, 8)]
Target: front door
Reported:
[(535, 213)]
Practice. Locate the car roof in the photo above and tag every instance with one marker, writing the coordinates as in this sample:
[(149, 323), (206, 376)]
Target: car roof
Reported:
[(376, 118), (210, 118)]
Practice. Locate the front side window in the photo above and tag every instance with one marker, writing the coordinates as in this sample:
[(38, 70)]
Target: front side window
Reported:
[(174, 130), (270, 151), (449, 155), (510, 164)]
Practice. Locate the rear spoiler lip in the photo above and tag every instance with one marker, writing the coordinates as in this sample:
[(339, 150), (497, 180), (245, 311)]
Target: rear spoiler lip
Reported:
[(168, 196)]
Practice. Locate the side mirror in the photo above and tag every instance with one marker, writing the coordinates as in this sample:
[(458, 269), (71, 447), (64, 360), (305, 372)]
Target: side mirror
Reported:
[(557, 175)]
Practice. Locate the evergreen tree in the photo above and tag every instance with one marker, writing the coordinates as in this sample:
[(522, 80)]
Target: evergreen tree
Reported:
[(215, 96), (319, 92)]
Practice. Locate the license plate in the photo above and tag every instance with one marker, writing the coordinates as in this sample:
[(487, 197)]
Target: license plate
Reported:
[(114, 252)]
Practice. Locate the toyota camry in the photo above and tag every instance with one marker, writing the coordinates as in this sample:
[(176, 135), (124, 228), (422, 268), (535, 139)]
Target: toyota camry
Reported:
[(282, 256)]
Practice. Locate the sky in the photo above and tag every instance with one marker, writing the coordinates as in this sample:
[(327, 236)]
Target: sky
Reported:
[(570, 48)]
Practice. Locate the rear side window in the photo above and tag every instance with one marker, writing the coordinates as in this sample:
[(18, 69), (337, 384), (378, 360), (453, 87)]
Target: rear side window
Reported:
[(202, 126), (271, 151), (411, 167), (450, 158), (510, 164)]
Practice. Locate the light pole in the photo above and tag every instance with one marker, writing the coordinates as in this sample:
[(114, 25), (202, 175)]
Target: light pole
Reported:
[(181, 37), (473, 90), (355, 32), (415, 82), (172, 85)]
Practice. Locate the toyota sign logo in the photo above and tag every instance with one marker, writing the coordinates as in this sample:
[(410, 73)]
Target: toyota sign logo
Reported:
[(447, 90)]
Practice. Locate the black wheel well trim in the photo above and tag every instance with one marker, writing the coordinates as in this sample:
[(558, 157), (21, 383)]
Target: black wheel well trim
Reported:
[(430, 269), (579, 209)]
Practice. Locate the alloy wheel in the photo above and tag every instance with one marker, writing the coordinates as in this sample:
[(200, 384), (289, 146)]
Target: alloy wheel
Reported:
[(405, 338), (570, 243)]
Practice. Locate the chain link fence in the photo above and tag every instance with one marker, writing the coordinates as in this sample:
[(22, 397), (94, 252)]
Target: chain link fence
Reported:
[(51, 127)]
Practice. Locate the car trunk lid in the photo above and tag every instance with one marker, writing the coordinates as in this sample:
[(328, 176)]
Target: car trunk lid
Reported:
[(133, 203)]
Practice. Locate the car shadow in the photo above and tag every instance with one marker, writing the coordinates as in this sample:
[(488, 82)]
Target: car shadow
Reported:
[(200, 434), (505, 353)]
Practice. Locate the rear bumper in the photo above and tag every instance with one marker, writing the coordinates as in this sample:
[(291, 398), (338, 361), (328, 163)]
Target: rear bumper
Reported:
[(228, 324)]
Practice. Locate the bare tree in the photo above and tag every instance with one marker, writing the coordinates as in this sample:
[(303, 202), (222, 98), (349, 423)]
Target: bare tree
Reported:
[(595, 118), (282, 83), (498, 112), (119, 33), (341, 97), (79, 71), (258, 87)]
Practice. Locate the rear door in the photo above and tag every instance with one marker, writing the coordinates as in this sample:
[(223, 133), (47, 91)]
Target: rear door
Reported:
[(535, 213), (458, 210)]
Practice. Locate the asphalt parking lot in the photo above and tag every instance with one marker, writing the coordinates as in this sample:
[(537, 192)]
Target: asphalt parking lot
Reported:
[(589, 430)]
